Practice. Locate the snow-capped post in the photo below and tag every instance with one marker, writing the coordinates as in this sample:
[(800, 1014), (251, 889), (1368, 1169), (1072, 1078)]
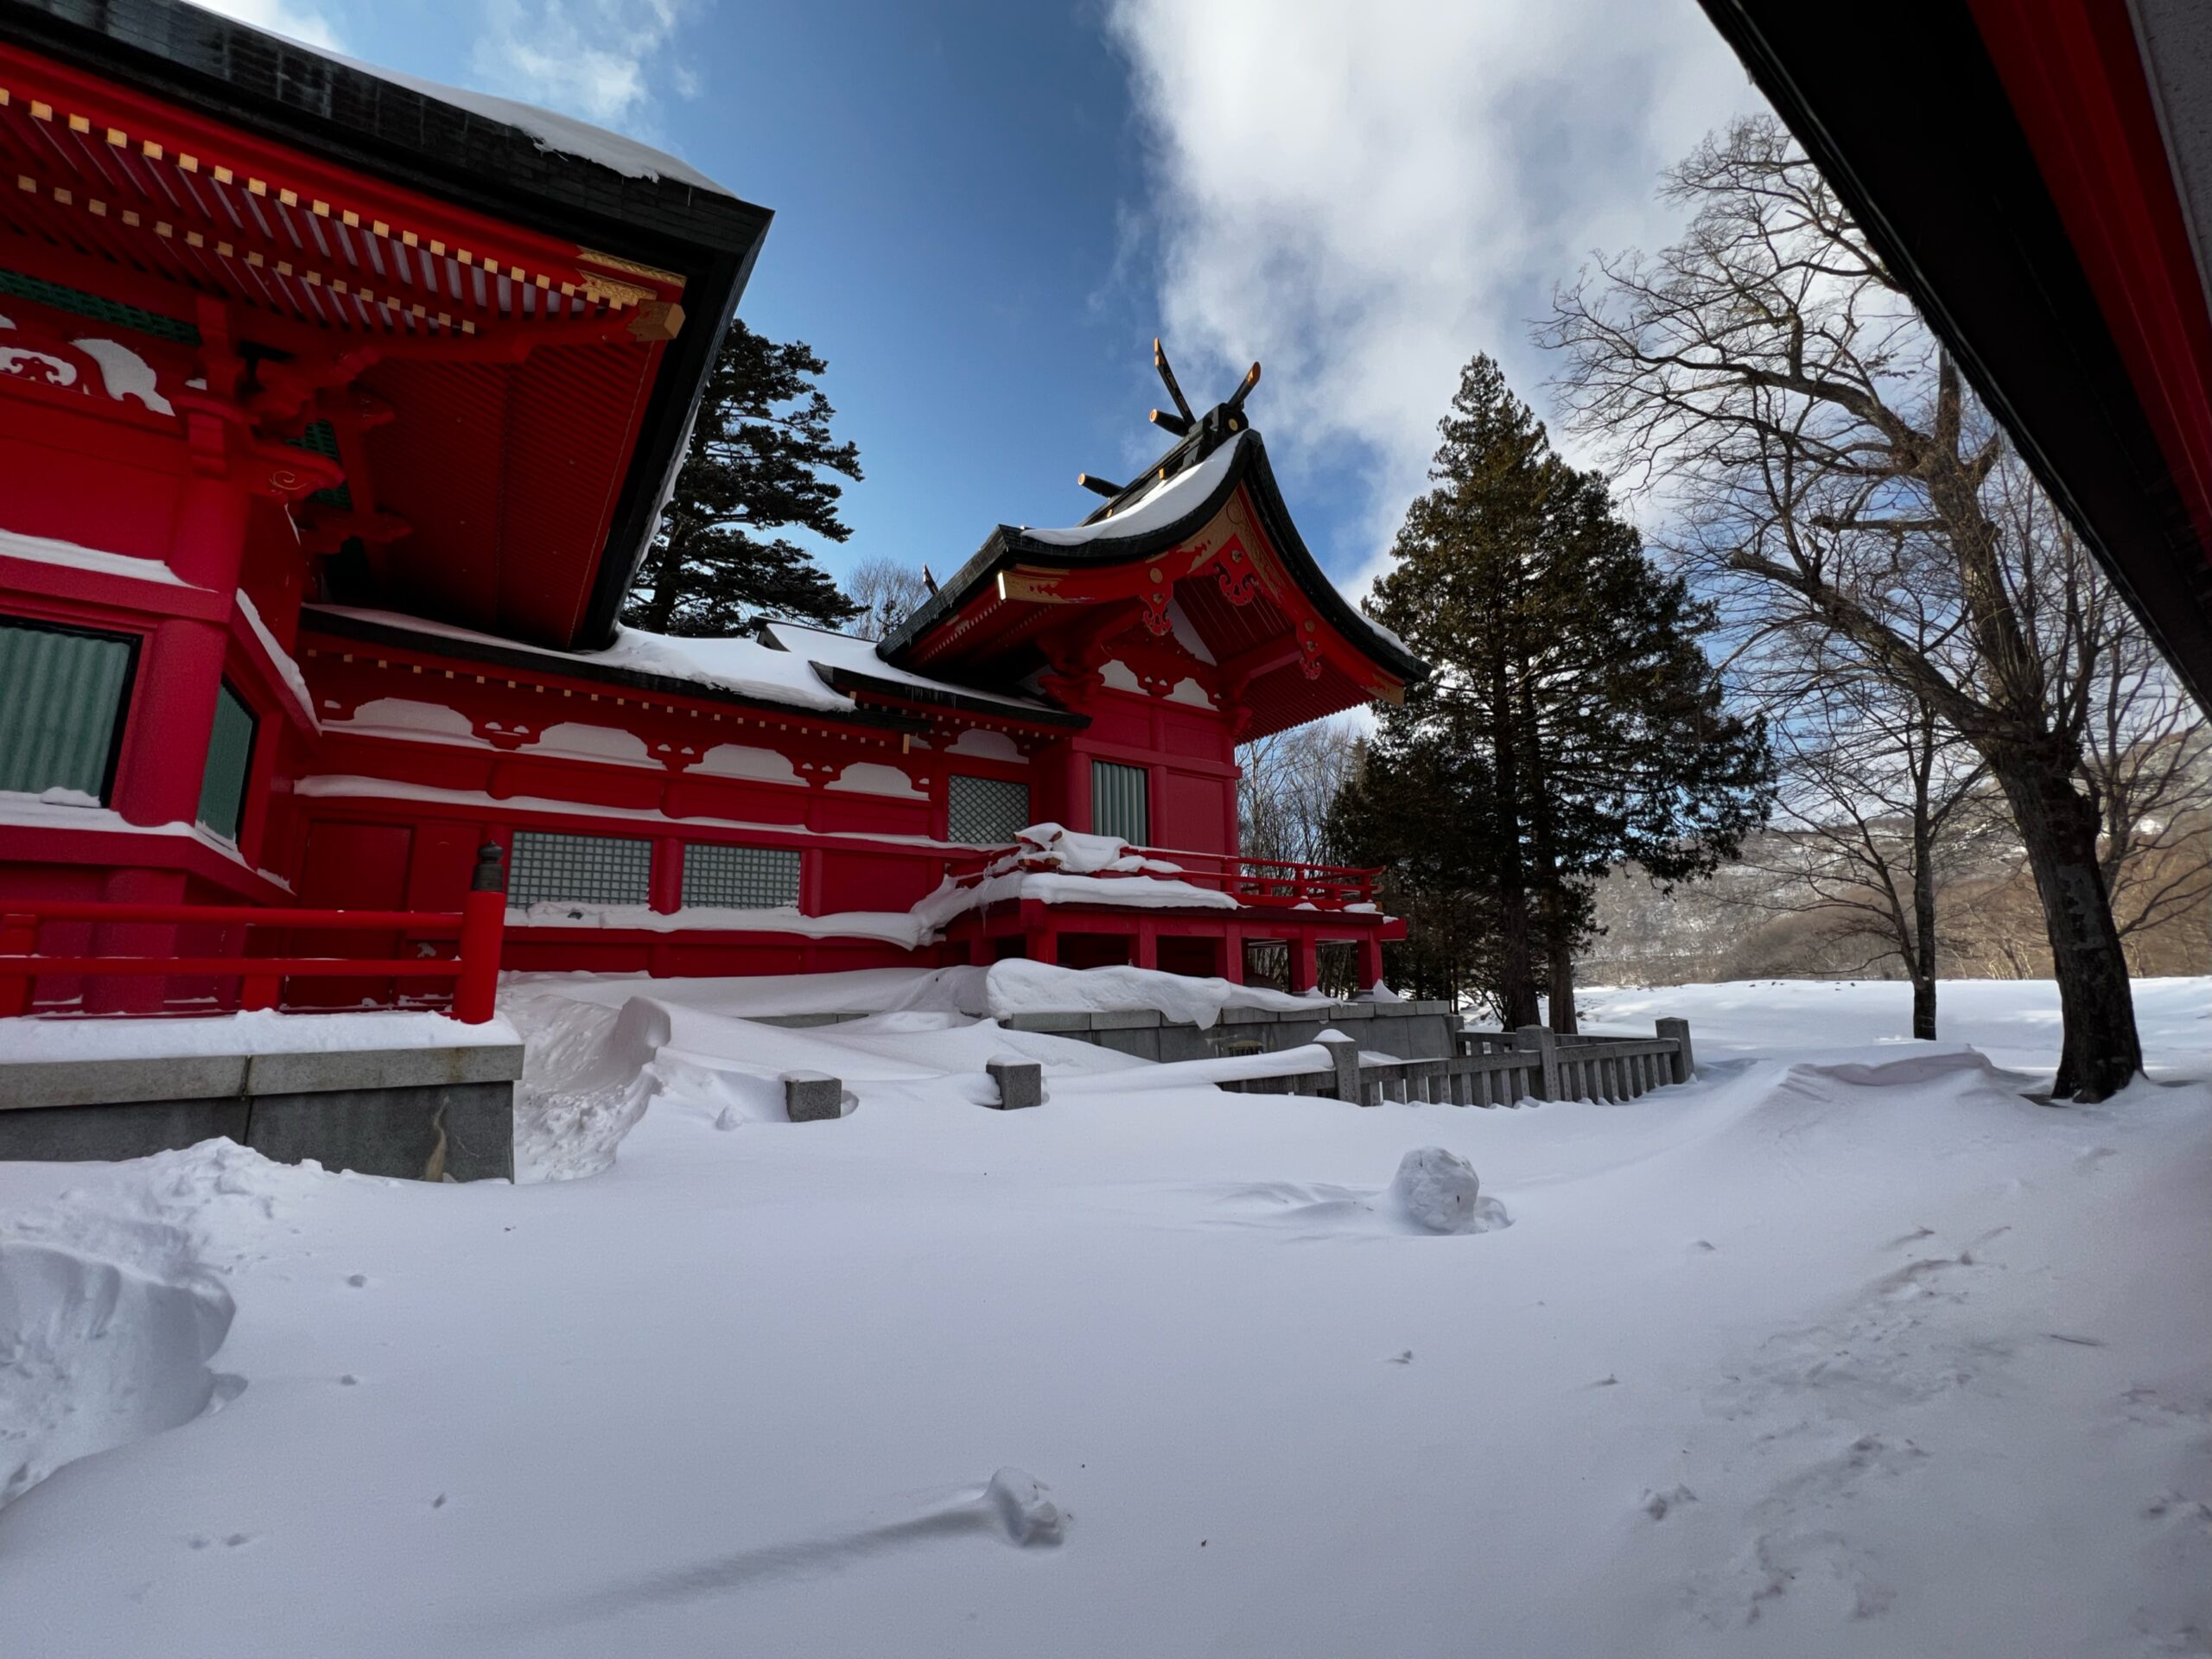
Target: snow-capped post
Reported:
[(483, 920), (1678, 1033), (1022, 1083), (1343, 1055), (1542, 1039)]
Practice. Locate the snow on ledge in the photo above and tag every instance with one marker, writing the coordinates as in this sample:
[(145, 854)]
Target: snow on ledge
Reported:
[(891, 926), (71, 809), (33, 1037), (280, 660), (44, 550)]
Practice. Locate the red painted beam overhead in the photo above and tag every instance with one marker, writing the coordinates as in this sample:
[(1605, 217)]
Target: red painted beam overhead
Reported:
[(2074, 70), (2006, 159)]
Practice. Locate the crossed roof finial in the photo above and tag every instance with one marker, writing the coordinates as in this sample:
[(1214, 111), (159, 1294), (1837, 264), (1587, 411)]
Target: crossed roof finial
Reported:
[(1222, 421)]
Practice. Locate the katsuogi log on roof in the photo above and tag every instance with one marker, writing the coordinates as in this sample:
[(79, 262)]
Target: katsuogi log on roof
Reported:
[(1198, 554)]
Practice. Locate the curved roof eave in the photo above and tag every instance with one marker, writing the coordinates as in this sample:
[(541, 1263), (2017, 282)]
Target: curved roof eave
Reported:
[(1010, 544)]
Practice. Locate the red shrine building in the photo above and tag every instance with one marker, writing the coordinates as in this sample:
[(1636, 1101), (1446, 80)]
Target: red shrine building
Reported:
[(336, 413)]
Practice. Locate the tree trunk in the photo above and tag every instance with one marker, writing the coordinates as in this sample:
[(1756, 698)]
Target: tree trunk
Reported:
[(668, 588), (1516, 970), (1923, 960), (2058, 829), (1562, 974), (1558, 950)]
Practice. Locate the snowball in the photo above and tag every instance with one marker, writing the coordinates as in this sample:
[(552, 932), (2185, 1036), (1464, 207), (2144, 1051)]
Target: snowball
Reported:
[(1024, 1507), (1439, 1189)]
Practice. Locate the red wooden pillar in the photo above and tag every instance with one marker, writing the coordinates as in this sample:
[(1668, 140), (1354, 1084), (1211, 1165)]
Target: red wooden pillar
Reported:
[(1040, 936), (1147, 946), (172, 712), (1370, 962), (181, 666), (1232, 956), (1304, 963), (667, 887), (1078, 790)]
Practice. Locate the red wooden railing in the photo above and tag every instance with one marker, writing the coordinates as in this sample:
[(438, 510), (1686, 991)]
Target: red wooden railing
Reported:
[(474, 968), (1262, 881)]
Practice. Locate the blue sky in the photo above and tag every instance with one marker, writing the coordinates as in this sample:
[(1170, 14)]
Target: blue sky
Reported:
[(984, 213)]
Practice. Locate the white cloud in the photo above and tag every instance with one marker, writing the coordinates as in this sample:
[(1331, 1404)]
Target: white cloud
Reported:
[(1362, 198), (588, 57), (305, 23)]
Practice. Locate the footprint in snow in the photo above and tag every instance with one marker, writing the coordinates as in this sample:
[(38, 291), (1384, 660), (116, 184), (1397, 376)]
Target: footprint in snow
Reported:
[(1659, 1505)]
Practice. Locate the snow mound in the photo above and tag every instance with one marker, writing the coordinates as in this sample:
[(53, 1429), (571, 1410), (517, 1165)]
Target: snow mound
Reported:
[(109, 1316), (1017, 985), (587, 1077), (97, 1355), (1439, 1189), (1025, 1509)]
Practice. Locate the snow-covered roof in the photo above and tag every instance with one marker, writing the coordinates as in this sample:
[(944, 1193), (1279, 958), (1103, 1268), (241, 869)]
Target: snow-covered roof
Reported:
[(1163, 504), (561, 135), (789, 664), (847, 654), (743, 664)]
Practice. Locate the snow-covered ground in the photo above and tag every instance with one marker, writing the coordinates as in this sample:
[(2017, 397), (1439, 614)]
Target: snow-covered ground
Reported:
[(1845, 1350)]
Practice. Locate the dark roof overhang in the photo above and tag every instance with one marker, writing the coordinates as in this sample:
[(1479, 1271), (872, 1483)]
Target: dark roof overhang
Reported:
[(1907, 113), (291, 93)]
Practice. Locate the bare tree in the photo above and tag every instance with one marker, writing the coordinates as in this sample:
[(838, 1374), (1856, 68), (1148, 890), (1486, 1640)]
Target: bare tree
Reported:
[(1835, 482), (1283, 799), (887, 593), (1877, 810)]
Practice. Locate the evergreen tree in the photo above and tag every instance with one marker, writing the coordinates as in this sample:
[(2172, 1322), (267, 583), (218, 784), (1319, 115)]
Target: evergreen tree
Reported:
[(1572, 666), (757, 460)]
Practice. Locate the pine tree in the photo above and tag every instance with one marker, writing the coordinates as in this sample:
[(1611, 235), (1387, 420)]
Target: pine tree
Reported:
[(1572, 665), (759, 452)]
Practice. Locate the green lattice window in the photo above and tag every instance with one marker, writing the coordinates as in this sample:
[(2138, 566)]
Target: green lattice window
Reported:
[(229, 761), (62, 696), (985, 812), (1118, 803)]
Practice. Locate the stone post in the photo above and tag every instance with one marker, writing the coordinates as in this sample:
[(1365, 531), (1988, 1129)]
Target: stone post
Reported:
[(812, 1096), (1022, 1083), (1545, 1041), (1344, 1054), (1679, 1031)]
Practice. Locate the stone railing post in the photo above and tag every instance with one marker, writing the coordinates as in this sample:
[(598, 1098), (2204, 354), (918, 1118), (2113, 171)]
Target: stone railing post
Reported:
[(1678, 1033), (1343, 1055), (812, 1096), (1021, 1084), (1545, 1041)]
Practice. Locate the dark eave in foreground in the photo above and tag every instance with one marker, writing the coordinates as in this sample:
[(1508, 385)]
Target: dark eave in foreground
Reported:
[(294, 95), (544, 664), (1009, 544), (1934, 165)]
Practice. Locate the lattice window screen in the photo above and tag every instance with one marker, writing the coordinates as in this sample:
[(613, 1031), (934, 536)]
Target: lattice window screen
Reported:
[(591, 869), (1118, 806), (62, 696), (985, 812), (740, 878)]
